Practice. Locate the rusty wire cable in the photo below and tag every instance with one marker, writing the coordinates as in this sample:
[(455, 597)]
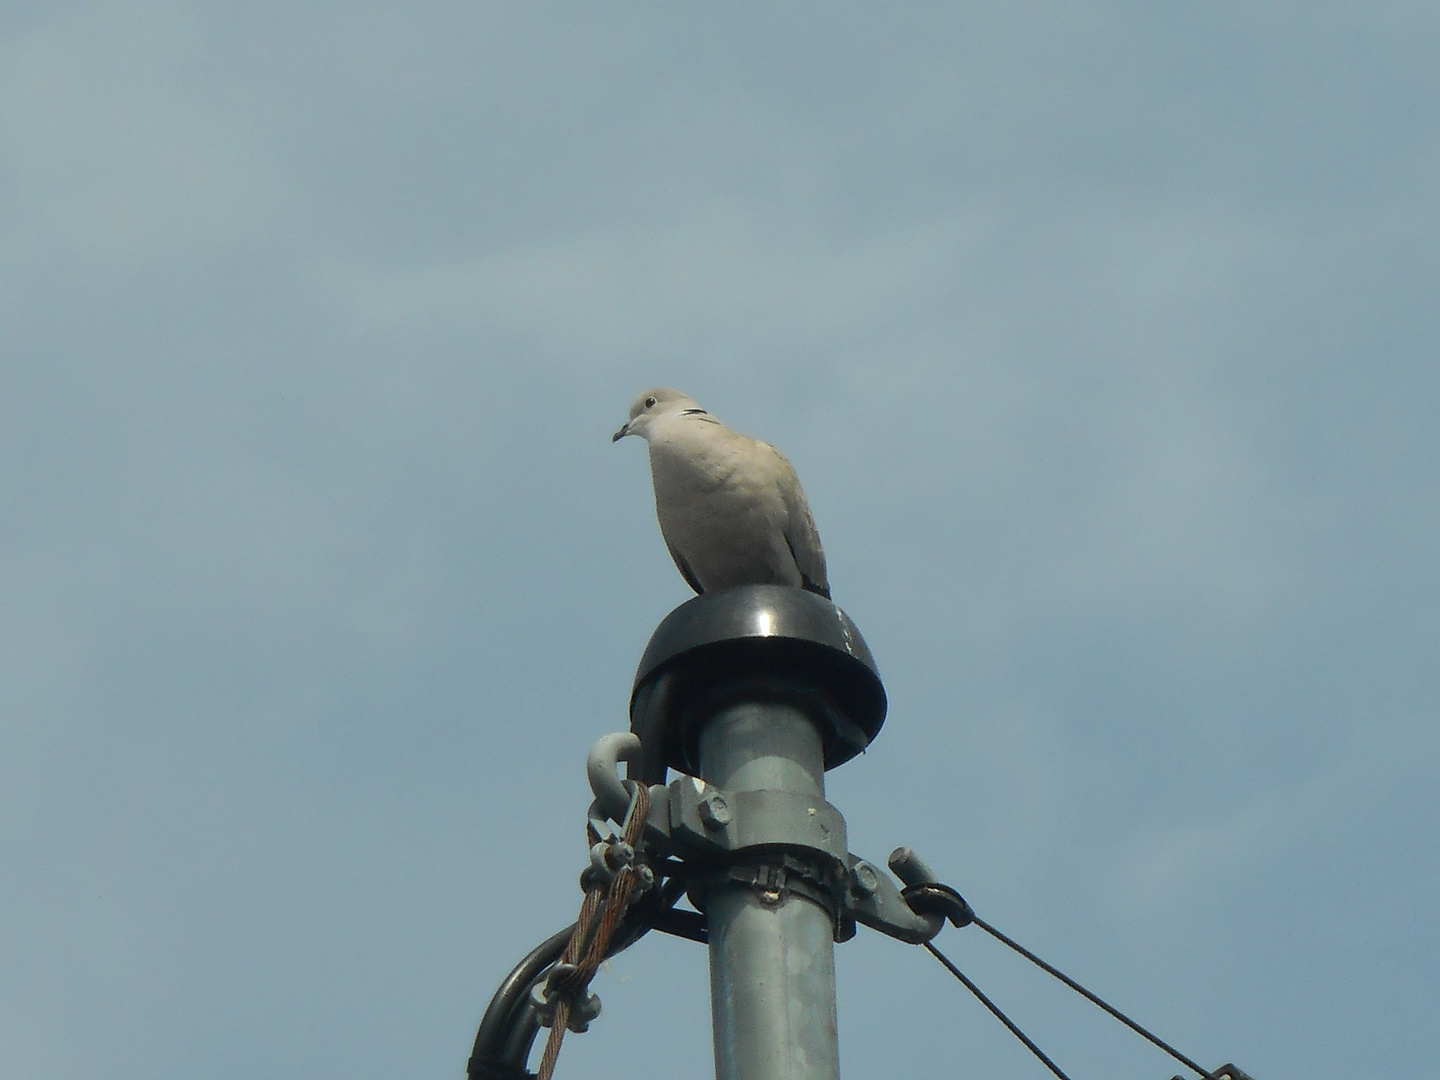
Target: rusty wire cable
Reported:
[(600, 913)]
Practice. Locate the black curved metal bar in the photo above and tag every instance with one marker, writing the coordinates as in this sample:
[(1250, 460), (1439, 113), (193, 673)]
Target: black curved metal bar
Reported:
[(488, 1059), (507, 1031)]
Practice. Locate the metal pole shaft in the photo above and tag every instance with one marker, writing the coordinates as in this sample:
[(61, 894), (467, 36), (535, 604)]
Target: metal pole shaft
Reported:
[(772, 958)]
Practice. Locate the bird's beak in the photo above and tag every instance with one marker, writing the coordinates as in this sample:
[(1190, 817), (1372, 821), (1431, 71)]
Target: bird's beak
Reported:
[(620, 434)]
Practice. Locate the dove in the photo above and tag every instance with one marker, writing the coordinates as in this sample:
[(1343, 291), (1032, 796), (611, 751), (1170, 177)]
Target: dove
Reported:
[(731, 508)]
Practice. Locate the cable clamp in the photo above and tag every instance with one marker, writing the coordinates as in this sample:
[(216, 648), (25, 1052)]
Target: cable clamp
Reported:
[(558, 987), (934, 898), (779, 874)]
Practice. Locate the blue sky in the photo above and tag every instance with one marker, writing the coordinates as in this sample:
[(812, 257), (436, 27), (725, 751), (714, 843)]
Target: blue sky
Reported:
[(1104, 338)]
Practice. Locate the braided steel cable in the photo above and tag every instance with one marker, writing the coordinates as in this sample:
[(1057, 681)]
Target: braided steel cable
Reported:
[(507, 1032), (600, 913)]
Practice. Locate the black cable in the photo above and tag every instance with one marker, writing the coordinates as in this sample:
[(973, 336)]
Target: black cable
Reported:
[(930, 947), (487, 1057), (1116, 1013)]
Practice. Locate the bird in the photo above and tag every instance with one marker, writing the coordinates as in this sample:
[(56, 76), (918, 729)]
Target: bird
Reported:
[(731, 508)]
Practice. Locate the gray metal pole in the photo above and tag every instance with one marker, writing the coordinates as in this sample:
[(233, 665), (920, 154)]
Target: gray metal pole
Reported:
[(751, 693), (772, 954)]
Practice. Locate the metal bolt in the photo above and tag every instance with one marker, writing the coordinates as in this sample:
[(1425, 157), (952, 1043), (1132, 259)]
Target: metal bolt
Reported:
[(715, 811), (619, 855), (865, 878), (644, 880), (584, 1010)]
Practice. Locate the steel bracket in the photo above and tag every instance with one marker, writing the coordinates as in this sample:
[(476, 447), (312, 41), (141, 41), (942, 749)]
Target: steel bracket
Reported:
[(706, 821), (873, 899)]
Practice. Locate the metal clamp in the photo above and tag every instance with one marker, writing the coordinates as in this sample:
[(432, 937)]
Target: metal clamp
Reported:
[(775, 875), (873, 899), (547, 995), (706, 821), (611, 853), (778, 875), (1225, 1072)]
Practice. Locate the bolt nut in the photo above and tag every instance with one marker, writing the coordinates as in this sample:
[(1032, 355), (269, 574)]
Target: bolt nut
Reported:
[(584, 1010), (865, 877), (715, 812), (619, 855)]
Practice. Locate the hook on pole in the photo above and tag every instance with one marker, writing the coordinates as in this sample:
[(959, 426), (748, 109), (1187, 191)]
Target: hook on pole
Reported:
[(612, 793)]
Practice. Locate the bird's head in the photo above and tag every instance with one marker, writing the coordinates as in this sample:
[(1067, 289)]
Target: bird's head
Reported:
[(652, 406)]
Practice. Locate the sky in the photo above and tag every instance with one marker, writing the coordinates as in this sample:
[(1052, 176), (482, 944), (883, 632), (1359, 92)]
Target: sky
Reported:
[(1102, 336)]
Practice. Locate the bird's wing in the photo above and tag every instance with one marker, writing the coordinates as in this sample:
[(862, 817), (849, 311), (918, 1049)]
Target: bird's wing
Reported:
[(800, 532), (683, 566)]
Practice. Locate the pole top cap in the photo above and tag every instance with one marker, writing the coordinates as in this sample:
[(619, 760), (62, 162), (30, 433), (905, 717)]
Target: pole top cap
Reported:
[(758, 631)]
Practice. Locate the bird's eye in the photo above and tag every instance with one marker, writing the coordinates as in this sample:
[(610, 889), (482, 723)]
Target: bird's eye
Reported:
[(649, 403)]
